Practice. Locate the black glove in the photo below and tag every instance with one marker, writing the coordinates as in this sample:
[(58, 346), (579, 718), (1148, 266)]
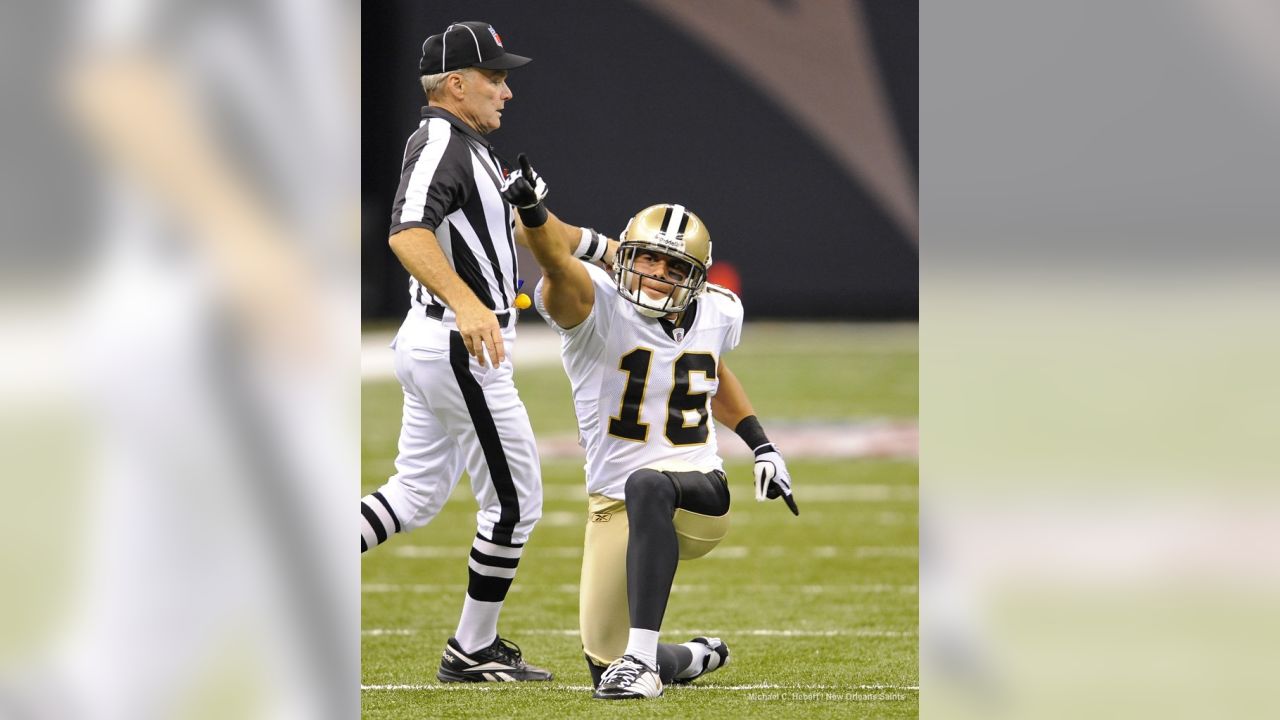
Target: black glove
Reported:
[(525, 190)]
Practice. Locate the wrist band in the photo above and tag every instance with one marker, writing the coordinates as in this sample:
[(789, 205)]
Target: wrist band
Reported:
[(533, 217), (591, 247), (752, 434)]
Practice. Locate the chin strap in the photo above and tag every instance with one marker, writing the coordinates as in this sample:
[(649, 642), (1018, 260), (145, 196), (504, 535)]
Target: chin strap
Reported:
[(646, 310)]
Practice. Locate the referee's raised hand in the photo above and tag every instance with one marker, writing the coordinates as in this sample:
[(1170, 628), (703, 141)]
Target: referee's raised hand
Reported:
[(481, 333)]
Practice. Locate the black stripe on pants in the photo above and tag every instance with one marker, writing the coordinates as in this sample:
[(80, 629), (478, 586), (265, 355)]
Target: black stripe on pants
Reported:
[(490, 442)]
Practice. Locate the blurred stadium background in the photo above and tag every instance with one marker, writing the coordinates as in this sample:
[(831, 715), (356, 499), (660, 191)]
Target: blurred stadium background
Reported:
[(791, 129)]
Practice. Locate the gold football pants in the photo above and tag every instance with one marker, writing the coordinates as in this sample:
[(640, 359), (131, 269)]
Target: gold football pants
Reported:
[(603, 613)]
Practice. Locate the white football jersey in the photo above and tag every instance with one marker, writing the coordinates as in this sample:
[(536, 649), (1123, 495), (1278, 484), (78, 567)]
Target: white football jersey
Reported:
[(642, 387)]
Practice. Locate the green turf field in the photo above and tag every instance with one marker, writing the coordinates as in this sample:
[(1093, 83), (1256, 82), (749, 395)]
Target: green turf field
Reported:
[(819, 611)]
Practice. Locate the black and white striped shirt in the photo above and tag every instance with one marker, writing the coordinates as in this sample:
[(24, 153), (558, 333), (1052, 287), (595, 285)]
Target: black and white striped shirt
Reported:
[(449, 184)]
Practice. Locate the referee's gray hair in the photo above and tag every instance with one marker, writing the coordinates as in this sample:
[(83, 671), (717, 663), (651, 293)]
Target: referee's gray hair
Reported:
[(431, 84)]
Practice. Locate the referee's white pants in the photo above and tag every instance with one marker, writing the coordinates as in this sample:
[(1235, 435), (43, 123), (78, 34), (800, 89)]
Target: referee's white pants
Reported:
[(458, 414)]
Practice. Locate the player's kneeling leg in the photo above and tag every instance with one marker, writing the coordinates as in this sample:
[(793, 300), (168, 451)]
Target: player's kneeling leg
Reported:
[(602, 604)]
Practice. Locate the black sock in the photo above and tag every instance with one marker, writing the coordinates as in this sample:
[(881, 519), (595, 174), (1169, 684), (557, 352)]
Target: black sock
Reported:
[(672, 660), (598, 670)]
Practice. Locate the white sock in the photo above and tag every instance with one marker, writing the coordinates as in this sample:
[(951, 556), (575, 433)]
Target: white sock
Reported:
[(478, 626), (699, 654), (643, 645)]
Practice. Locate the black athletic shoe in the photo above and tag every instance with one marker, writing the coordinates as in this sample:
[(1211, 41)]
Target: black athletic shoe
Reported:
[(627, 678), (500, 662), (717, 658)]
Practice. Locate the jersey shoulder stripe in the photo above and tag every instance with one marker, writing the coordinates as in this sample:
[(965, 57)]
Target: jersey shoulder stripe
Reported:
[(724, 291), (722, 303)]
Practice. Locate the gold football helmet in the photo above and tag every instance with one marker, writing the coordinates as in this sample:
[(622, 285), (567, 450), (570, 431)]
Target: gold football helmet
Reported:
[(670, 231)]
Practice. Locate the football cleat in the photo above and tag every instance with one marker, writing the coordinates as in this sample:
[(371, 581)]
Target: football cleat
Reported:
[(716, 658), (627, 678), (500, 662)]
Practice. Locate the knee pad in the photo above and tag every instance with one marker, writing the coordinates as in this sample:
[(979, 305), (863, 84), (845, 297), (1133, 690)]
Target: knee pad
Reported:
[(698, 534), (645, 482)]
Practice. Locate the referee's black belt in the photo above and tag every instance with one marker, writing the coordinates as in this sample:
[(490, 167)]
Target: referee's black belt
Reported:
[(436, 312)]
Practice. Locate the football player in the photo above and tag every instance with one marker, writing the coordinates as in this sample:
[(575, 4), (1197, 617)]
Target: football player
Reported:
[(644, 354)]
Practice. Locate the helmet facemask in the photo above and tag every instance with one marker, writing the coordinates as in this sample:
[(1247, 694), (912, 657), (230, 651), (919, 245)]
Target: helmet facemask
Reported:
[(680, 294)]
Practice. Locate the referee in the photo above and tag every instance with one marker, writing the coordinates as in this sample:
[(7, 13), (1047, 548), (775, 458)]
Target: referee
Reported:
[(455, 235)]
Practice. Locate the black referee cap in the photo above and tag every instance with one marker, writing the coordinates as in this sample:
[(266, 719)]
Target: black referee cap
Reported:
[(467, 44)]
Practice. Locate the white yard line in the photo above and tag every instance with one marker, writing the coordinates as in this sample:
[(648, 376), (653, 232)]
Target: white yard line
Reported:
[(728, 633), (807, 493), (478, 687), (809, 589), (724, 552), (526, 687), (775, 686)]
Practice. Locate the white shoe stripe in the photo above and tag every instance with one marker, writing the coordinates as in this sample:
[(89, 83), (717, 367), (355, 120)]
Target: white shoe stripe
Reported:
[(459, 655)]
